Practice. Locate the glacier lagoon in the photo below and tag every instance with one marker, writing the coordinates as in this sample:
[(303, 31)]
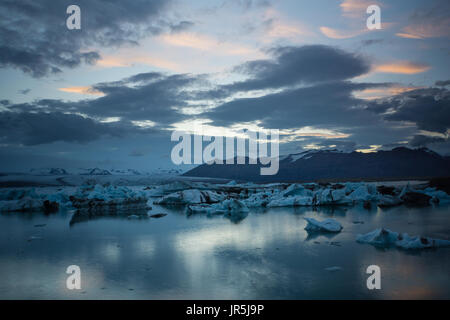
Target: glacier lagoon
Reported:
[(266, 255)]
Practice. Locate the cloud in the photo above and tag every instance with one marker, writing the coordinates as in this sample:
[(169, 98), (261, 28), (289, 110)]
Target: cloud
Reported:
[(138, 102), (340, 34), (370, 42), (306, 92), (355, 12), (24, 91), (383, 92), (278, 26), (296, 65), (36, 40), (428, 22), (38, 128), (402, 67), (126, 57), (82, 90), (423, 140), (442, 83), (356, 9), (329, 105), (428, 108), (206, 43)]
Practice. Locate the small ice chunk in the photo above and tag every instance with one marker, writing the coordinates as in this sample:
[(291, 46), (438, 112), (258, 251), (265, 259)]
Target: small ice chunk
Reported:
[(327, 225), (133, 217), (379, 237), (333, 269)]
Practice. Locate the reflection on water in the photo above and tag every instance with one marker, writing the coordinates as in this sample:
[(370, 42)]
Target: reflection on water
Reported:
[(268, 255)]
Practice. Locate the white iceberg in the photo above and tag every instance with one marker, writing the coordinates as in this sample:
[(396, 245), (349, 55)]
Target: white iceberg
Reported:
[(228, 206), (331, 197), (191, 196), (360, 194), (378, 237), (292, 201), (327, 225)]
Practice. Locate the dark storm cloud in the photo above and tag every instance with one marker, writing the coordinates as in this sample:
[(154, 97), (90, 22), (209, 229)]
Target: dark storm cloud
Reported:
[(423, 141), (147, 96), (35, 39), (329, 104), (156, 99), (298, 65), (428, 108), (442, 83), (314, 91), (40, 128)]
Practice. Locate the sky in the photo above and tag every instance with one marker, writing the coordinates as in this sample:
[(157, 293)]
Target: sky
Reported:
[(110, 94)]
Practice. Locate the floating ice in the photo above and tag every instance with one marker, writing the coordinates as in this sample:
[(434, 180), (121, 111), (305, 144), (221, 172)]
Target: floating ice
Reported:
[(192, 196), (226, 206), (333, 269), (327, 225), (387, 238), (109, 198)]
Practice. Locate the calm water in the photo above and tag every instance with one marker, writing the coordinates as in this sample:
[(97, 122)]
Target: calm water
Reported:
[(268, 255)]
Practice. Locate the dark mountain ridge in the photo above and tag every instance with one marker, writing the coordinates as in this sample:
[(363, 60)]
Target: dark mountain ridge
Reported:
[(399, 163)]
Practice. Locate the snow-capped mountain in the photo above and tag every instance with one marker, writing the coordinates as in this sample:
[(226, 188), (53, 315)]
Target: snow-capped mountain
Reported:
[(313, 165)]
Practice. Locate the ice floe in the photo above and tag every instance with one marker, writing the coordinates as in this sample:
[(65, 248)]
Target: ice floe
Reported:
[(228, 206), (191, 196), (108, 198), (386, 238), (113, 197), (327, 225)]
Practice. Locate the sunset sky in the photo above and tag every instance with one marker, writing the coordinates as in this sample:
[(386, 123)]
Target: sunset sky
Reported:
[(110, 94)]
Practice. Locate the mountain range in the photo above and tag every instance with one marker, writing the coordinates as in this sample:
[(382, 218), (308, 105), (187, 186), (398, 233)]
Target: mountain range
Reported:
[(324, 165)]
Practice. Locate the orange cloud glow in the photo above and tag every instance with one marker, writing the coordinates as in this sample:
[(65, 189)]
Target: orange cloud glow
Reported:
[(377, 93), (426, 30), (402, 67), (356, 8), (128, 59), (82, 90)]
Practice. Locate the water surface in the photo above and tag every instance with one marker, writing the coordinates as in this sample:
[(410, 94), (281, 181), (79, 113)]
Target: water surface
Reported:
[(268, 255)]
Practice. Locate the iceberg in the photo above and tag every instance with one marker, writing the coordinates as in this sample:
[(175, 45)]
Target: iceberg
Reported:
[(292, 201), (110, 198), (379, 238), (386, 238), (327, 225), (22, 205), (191, 196), (386, 201), (330, 197), (360, 194), (226, 206)]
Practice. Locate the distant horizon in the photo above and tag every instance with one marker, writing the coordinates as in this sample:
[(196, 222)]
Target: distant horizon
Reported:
[(184, 168)]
